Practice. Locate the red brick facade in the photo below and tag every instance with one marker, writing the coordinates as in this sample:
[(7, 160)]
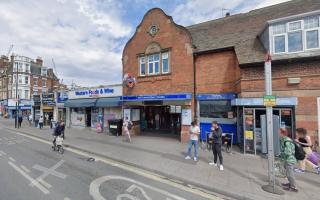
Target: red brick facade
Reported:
[(216, 72)]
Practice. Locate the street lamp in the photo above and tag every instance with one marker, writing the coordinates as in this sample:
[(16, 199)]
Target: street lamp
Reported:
[(271, 187)]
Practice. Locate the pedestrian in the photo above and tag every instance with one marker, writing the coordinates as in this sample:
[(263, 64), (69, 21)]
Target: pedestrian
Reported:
[(194, 132), (20, 119), (30, 119), (305, 141), (57, 132), (157, 119), (41, 122), (287, 156), (62, 125), (126, 128), (216, 138)]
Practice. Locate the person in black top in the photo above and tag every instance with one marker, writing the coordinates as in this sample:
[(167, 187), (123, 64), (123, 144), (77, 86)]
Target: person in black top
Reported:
[(20, 119), (57, 132), (305, 141), (217, 143)]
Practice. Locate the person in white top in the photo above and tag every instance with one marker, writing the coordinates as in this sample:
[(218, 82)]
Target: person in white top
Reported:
[(194, 137), (126, 127)]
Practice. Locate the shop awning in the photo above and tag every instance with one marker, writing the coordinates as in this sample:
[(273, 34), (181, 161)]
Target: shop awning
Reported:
[(280, 101), (109, 102), (78, 103)]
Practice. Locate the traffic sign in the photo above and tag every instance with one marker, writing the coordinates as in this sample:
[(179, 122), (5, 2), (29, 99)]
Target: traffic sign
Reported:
[(269, 100)]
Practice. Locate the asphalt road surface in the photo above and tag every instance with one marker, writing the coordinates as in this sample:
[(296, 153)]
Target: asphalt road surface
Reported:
[(29, 169)]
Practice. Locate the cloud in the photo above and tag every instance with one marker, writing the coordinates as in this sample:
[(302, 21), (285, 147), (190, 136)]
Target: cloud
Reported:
[(266, 3), (84, 37)]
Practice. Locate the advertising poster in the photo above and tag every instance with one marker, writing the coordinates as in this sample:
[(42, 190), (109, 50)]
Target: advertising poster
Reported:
[(127, 113), (186, 117)]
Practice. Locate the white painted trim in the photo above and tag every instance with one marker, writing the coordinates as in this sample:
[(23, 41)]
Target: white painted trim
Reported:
[(316, 12)]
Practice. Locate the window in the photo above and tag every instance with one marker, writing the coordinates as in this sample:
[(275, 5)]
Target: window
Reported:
[(142, 66), (296, 36), (44, 83), (165, 62), (215, 109), (44, 71), (279, 44), (20, 79), (20, 67), (35, 82), (26, 80), (20, 93), (153, 63), (27, 67), (26, 94)]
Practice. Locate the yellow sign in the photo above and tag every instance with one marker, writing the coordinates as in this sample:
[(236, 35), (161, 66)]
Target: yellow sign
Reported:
[(248, 135), (269, 101)]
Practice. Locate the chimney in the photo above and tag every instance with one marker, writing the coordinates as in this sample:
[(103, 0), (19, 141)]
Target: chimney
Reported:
[(39, 61), (227, 14)]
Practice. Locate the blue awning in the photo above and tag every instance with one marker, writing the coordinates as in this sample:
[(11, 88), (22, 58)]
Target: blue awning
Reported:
[(109, 102), (79, 103)]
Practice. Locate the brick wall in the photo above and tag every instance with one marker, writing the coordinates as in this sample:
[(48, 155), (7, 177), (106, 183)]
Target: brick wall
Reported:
[(169, 37), (217, 72), (307, 91)]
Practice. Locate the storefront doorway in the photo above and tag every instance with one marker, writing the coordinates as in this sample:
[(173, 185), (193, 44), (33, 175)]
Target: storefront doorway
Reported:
[(252, 132), (159, 120), (88, 117)]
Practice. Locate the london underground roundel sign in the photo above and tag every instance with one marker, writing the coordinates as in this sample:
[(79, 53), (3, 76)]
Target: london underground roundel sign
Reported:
[(129, 80)]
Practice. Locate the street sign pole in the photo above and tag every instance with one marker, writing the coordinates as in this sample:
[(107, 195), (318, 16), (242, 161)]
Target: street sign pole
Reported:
[(271, 187)]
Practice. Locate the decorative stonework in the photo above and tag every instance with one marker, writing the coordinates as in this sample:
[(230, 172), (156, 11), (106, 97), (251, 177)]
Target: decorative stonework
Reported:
[(153, 48), (153, 79), (153, 30)]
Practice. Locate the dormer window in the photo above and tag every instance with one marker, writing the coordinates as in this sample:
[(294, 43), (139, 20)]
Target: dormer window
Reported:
[(44, 71), (295, 36)]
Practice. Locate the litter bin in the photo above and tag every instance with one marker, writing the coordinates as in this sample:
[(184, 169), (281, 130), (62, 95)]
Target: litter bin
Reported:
[(115, 126)]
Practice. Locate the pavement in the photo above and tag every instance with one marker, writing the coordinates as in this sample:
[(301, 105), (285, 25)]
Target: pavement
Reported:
[(29, 169), (242, 178)]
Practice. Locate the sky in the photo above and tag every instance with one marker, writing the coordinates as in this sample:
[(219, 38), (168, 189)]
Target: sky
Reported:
[(85, 38)]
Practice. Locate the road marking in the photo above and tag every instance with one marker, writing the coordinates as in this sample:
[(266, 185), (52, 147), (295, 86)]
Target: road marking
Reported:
[(12, 159), (95, 187), (25, 169), (66, 198), (48, 171), (153, 176), (39, 186), (3, 153), (45, 183)]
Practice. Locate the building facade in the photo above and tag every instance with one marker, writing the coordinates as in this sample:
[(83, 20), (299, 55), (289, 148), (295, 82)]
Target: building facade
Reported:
[(23, 78), (218, 69), (93, 107)]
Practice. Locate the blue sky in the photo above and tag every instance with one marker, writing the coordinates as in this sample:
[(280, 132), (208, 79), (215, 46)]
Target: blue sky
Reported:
[(86, 37)]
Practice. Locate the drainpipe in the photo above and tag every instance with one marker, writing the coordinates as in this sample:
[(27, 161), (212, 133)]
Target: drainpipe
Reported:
[(196, 105)]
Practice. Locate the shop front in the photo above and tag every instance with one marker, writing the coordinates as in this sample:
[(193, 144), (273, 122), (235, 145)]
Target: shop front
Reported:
[(163, 114), (60, 111), (251, 115), (48, 104), (94, 107), (24, 107), (217, 107)]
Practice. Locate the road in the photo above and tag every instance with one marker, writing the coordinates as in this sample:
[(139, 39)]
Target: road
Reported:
[(29, 169)]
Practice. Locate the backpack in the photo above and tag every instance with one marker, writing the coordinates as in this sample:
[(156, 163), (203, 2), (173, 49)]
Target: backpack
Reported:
[(129, 125), (299, 153)]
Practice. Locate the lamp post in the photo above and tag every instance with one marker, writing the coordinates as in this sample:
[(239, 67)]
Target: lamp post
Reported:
[(271, 187), (17, 97)]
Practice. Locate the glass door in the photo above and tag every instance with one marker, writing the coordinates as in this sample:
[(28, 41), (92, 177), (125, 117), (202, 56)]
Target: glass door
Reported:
[(248, 121)]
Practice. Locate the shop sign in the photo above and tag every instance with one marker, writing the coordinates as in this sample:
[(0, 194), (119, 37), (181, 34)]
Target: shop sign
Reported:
[(182, 96), (269, 101), (23, 102), (96, 92), (222, 96), (48, 99), (62, 97)]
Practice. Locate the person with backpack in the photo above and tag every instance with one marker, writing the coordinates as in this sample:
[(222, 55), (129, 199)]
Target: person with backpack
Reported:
[(305, 141), (287, 156), (126, 128)]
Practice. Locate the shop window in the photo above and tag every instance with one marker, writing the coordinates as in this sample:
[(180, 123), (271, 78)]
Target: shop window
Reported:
[(215, 109)]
